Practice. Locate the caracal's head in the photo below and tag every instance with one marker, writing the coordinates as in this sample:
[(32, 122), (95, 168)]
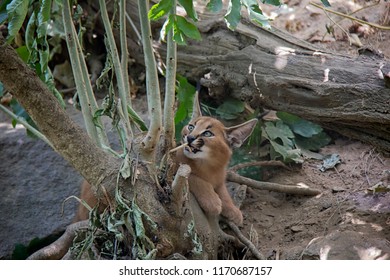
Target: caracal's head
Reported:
[(208, 139), (205, 138)]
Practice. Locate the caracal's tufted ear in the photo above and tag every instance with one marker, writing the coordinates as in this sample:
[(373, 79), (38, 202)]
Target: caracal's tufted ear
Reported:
[(196, 112), (236, 135)]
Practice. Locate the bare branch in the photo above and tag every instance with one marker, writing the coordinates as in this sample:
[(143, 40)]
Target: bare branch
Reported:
[(153, 90), (67, 138), (298, 189)]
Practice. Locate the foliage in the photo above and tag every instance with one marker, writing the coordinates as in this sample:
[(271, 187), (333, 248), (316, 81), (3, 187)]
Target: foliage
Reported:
[(112, 239), (21, 251), (35, 49), (287, 137), (230, 109), (325, 3), (185, 96), (182, 28), (290, 137)]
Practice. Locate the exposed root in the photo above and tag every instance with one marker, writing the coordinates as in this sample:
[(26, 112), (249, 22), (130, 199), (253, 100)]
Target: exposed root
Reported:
[(60, 247), (298, 189), (251, 247)]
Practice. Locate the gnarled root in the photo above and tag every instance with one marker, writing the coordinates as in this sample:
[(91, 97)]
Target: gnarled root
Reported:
[(60, 247)]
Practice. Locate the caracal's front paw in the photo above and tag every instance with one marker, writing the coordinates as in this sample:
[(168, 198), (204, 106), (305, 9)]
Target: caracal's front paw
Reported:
[(232, 213), (212, 206)]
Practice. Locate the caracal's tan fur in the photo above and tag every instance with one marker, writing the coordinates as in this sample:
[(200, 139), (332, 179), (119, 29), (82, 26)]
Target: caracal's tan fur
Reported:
[(208, 155)]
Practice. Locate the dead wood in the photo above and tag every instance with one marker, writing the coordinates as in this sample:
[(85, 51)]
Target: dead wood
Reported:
[(298, 189), (272, 69)]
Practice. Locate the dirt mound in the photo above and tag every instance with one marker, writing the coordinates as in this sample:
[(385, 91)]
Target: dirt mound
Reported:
[(287, 224)]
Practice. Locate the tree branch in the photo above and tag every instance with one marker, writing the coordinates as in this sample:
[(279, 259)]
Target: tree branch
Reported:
[(170, 88), (298, 190), (67, 138), (79, 72), (153, 89)]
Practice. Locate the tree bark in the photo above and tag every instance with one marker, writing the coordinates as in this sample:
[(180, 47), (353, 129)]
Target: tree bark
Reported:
[(67, 138), (274, 70), (101, 169)]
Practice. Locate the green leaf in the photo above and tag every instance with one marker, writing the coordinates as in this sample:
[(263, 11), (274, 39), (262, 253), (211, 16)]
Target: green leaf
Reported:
[(313, 143), (3, 11), (23, 53), (272, 2), (279, 130), (20, 112), (255, 13), (299, 126), (282, 141), (135, 118), (187, 28), (167, 26), (233, 15), (185, 95), (247, 155), (17, 11), (286, 153), (230, 109), (29, 36), (188, 5), (214, 6), (126, 167), (160, 9), (325, 3), (43, 18)]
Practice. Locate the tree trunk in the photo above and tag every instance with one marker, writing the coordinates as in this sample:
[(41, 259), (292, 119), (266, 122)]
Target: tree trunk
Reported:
[(274, 70)]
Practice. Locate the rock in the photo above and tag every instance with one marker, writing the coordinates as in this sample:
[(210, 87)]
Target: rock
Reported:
[(297, 228), (34, 183), (347, 245)]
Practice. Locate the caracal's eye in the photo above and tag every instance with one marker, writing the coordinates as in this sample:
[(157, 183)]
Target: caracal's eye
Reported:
[(207, 133), (190, 127)]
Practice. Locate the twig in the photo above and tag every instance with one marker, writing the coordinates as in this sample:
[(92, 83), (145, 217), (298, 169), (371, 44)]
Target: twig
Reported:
[(60, 247), (350, 17), (339, 26), (259, 163), (245, 240), (298, 189), (178, 147), (26, 125), (356, 11), (135, 29)]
